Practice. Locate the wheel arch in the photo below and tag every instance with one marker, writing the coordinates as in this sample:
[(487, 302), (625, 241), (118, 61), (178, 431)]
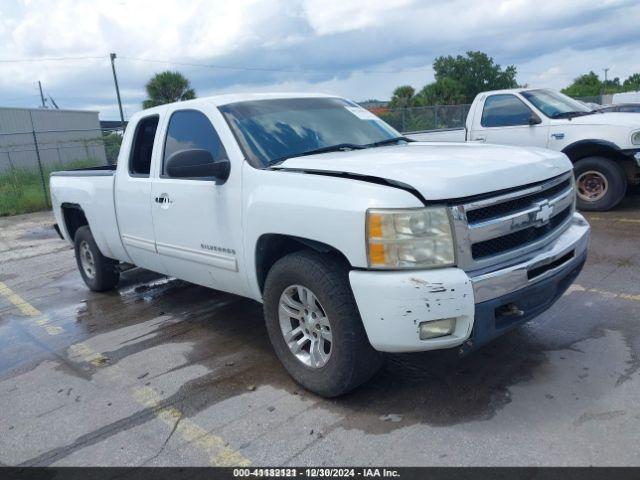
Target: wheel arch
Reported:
[(591, 148), (74, 218), (271, 247)]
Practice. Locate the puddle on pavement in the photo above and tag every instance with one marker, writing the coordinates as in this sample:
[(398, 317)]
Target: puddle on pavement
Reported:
[(24, 350), (441, 389), (39, 233)]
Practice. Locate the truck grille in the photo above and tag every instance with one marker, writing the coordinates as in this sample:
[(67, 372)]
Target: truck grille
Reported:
[(510, 206), (500, 228), (508, 242)]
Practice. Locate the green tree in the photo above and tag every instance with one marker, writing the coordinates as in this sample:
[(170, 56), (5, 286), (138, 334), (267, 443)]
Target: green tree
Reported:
[(167, 87), (632, 83), (612, 86), (445, 91), (476, 72), (403, 97), (587, 85)]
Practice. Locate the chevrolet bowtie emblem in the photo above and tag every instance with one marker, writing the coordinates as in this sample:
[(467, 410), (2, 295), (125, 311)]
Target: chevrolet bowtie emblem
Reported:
[(544, 213)]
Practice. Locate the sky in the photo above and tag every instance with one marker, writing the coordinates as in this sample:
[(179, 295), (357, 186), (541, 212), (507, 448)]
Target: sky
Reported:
[(357, 49)]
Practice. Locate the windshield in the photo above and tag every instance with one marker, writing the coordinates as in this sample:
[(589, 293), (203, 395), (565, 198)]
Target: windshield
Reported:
[(272, 130), (554, 104)]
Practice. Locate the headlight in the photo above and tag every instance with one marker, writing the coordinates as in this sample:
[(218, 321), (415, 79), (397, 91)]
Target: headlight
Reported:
[(635, 138), (411, 238)]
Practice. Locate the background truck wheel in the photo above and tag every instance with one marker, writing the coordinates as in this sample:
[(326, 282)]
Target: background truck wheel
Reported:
[(314, 324), (600, 183), (98, 272)]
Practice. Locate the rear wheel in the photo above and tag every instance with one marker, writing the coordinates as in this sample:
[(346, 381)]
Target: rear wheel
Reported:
[(314, 324), (98, 272), (600, 183)]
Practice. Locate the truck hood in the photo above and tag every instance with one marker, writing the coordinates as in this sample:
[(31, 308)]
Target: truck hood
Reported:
[(441, 171), (617, 119)]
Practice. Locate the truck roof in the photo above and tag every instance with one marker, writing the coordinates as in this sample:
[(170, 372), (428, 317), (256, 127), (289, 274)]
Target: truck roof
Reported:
[(225, 99), (508, 90)]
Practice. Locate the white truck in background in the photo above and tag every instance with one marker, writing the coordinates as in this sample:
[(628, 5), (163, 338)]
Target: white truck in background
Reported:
[(356, 239), (604, 147), (625, 97)]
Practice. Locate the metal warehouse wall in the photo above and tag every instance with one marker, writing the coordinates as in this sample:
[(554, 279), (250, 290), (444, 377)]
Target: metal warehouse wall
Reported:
[(63, 136)]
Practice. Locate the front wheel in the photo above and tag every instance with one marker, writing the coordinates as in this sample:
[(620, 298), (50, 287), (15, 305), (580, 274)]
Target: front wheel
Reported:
[(600, 183), (98, 272), (314, 325)]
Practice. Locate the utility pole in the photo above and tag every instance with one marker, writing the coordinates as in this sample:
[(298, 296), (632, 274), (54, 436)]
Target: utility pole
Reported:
[(44, 105), (115, 80), (40, 170), (604, 87)]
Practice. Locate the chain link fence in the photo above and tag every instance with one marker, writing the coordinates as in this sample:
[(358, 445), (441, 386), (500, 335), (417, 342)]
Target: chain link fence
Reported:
[(415, 119), (27, 158), (599, 99)]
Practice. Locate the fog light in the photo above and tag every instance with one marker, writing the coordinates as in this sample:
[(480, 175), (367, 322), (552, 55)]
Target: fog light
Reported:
[(437, 328), (637, 157)]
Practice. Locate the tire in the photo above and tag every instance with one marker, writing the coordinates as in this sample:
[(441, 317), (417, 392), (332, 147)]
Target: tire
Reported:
[(594, 173), (351, 358), (98, 272)]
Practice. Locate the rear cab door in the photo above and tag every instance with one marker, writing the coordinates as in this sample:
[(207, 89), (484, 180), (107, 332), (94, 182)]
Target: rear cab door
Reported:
[(133, 186), (504, 118), (198, 221)]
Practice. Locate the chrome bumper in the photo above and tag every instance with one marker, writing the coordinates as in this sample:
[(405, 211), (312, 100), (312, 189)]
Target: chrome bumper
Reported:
[(566, 250)]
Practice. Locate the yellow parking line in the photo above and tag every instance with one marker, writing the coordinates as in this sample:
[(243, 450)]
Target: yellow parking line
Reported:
[(19, 302), (216, 449), (625, 296), (220, 454), (623, 220)]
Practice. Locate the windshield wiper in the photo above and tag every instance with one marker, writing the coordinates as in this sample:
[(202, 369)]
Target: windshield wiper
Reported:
[(388, 141), (340, 147), (572, 114)]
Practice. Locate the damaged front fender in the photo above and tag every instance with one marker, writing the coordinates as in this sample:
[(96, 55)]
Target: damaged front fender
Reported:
[(393, 304)]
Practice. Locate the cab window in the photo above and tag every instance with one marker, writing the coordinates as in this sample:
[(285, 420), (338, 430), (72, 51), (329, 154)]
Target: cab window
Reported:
[(504, 111), (140, 159), (191, 129)]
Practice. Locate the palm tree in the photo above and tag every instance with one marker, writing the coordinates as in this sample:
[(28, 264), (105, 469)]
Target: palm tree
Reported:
[(403, 97), (167, 87)]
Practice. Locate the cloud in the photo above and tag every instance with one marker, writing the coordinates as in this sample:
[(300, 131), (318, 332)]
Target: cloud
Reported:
[(333, 16), (361, 49)]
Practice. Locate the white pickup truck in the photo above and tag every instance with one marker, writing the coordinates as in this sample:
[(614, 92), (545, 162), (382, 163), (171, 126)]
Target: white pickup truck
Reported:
[(603, 147), (356, 240)]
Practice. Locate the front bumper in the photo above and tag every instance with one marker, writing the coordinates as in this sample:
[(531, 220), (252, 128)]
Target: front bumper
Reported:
[(393, 304), (633, 153)]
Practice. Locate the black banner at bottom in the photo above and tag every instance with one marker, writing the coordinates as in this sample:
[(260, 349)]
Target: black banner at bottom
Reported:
[(405, 473)]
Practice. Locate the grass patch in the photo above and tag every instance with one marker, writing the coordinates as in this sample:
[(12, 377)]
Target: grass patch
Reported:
[(21, 188)]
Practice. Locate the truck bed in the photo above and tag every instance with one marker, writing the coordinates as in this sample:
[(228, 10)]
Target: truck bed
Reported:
[(442, 135), (102, 170), (92, 191)]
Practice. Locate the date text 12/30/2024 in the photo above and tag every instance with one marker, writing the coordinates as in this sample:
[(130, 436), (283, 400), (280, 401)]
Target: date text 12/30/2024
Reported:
[(316, 472)]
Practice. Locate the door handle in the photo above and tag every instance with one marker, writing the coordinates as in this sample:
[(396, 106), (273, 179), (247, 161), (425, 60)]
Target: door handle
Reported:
[(163, 199), (480, 138)]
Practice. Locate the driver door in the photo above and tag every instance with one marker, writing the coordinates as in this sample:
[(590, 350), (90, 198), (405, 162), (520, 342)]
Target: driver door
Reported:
[(505, 120), (197, 221)]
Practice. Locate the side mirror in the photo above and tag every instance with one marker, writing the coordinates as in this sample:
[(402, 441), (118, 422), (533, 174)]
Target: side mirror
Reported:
[(534, 119), (197, 163)]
